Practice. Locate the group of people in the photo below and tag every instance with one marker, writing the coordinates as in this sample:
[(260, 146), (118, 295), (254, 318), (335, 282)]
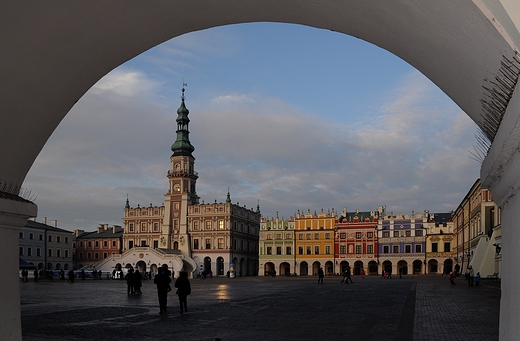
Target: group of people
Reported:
[(163, 282), (134, 282)]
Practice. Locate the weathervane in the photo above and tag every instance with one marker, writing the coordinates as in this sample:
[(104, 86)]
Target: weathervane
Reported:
[(183, 86)]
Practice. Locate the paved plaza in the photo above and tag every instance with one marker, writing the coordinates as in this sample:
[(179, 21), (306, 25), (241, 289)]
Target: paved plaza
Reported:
[(264, 308)]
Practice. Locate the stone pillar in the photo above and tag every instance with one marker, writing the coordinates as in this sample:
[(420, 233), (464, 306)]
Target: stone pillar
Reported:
[(13, 215), (500, 174)]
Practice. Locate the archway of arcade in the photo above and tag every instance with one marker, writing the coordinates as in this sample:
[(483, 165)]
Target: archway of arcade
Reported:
[(53, 54)]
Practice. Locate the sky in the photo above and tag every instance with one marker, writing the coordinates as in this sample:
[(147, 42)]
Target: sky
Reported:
[(286, 116)]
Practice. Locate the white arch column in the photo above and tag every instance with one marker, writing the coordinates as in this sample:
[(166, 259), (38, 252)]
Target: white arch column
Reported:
[(13, 216), (500, 174)]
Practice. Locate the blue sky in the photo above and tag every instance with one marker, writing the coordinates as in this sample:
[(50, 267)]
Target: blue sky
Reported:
[(293, 117)]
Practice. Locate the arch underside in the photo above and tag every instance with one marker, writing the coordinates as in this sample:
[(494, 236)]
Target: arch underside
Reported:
[(54, 54)]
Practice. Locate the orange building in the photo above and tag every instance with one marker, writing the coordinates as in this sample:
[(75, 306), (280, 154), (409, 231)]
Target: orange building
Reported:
[(314, 242)]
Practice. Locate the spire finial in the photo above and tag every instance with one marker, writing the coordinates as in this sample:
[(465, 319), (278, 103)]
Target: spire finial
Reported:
[(184, 85)]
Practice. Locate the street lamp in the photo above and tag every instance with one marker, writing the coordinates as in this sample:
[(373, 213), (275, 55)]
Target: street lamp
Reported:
[(334, 250)]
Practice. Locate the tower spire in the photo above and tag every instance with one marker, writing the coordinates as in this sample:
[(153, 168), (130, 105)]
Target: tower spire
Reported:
[(182, 145)]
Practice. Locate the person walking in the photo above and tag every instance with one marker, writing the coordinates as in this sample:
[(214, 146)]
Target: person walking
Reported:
[(183, 290), (477, 279), (35, 275), (470, 274), (347, 270), (138, 282), (71, 276), (452, 278), (362, 273), (320, 275), (130, 282), (162, 280)]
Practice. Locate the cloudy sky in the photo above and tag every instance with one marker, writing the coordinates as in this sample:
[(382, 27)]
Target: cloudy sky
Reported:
[(292, 117)]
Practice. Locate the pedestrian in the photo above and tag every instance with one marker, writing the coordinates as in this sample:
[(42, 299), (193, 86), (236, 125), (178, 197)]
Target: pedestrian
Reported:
[(389, 275), (320, 276), (99, 274), (362, 273), (344, 276), (82, 274), (347, 270), (183, 290), (130, 282), (25, 275), (35, 275), (71, 276), (469, 275), (383, 274), (452, 278), (477, 279), (138, 282), (400, 272), (62, 274), (162, 280)]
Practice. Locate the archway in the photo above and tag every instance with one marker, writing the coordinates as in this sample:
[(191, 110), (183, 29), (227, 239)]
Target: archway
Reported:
[(417, 267), (433, 266), (373, 268), (387, 267), (343, 266), (456, 54), (447, 266), (220, 266), (140, 266), (285, 269), (358, 266), (315, 267), (402, 267), (269, 269), (329, 268), (207, 266), (304, 269)]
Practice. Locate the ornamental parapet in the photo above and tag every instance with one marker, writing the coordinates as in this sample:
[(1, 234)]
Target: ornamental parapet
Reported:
[(401, 255), (182, 173), (402, 240), (438, 254)]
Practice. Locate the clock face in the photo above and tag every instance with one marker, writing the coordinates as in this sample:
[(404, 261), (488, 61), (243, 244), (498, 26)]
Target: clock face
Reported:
[(176, 188)]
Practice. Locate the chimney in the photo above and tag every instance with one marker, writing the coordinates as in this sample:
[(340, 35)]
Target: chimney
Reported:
[(54, 223), (44, 220), (78, 232)]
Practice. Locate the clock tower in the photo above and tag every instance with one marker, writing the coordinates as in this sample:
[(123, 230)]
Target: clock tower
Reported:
[(181, 193)]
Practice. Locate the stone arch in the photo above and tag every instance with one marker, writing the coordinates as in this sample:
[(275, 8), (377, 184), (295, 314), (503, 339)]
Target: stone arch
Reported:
[(285, 269), (402, 267), (417, 266), (358, 266), (269, 269), (304, 268), (433, 266), (372, 267), (220, 266)]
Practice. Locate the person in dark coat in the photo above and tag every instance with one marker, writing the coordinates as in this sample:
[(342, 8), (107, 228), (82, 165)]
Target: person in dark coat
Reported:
[(321, 274), (138, 282), (162, 280), (71, 275), (130, 282), (183, 290)]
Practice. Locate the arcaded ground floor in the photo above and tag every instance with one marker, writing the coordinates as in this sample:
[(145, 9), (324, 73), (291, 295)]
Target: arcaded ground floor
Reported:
[(422, 307)]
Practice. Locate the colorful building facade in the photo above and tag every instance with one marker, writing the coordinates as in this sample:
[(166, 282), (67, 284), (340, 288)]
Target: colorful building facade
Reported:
[(277, 246)]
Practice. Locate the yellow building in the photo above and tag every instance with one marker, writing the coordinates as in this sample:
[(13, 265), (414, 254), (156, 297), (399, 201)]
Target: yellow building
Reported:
[(314, 242)]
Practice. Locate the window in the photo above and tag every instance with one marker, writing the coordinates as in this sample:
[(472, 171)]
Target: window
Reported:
[(38, 252), (49, 253), (195, 226), (50, 238), (278, 250), (58, 239), (309, 250), (370, 234), (175, 224), (20, 235), (408, 233), (386, 234), (278, 236), (97, 243), (327, 250), (269, 236), (308, 236), (20, 252), (370, 249), (419, 233), (208, 243), (342, 249), (89, 244), (96, 255), (316, 250), (131, 227), (67, 253), (221, 224), (358, 235), (418, 248), (316, 236), (105, 243), (105, 255), (196, 244), (155, 227), (300, 250), (143, 243), (29, 251), (113, 243), (31, 235), (288, 236), (395, 249), (155, 244), (300, 236), (269, 250), (342, 235), (58, 253), (288, 250), (386, 249), (67, 240), (208, 225), (40, 237), (327, 235), (89, 255), (435, 247), (359, 249), (408, 249), (447, 246), (396, 233), (220, 243), (130, 244)]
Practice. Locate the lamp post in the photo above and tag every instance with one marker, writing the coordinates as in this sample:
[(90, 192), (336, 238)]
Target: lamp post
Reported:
[(334, 251)]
